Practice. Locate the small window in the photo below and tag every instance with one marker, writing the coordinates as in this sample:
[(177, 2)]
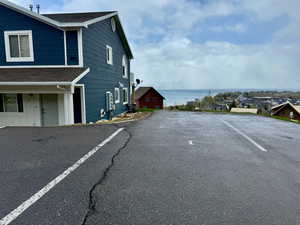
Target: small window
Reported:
[(11, 103), (117, 95), (18, 46), (113, 24), (125, 96), (124, 67), (109, 55)]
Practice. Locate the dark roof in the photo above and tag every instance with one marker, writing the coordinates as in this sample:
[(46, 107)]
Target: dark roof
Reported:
[(141, 91), (84, 17), (40, 74), (76, 17), (278, 108)]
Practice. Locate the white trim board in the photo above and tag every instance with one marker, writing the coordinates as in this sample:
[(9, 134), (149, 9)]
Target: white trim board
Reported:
[(49, 21), (81, 76), (42, 66), (65, 48), (37, 196), (18, 33), (80, 47), (83, 106), (63, 26)]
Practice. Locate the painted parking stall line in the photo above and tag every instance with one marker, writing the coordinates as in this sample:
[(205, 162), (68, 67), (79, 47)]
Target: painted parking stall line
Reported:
[(245, 136), (29, 202), (191, 142), (2, 127)]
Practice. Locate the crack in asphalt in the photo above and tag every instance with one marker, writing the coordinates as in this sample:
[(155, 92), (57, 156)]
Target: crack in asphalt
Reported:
[(92, 198)]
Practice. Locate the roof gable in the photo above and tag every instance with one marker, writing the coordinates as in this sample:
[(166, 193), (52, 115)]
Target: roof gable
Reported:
[(77, 17), (282, 106), (29, 13), (67, 20), (141, 91)]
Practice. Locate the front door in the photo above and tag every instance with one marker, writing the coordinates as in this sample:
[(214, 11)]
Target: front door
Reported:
[(49, 109), (77, 105)]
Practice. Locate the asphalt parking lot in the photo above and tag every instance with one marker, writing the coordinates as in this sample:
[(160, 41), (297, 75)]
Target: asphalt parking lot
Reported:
[(172, 168)]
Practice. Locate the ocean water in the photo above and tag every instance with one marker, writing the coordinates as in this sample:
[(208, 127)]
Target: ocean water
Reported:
[(179, 97)]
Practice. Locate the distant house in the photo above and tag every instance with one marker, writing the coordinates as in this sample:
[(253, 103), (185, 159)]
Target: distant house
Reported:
[(244, 110), (287, 110), (60, 69), (148, 97)]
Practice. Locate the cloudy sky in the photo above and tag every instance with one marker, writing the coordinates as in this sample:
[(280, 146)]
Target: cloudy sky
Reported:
[(193, 44)]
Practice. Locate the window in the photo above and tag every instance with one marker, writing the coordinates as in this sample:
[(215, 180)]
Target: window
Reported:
[(11, 103), (125, 96), (109, 55), (113, 24), (117, 95), (124, 67), (18, 46)]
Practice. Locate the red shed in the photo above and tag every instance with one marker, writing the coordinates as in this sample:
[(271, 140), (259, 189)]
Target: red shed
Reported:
[(148, 97)]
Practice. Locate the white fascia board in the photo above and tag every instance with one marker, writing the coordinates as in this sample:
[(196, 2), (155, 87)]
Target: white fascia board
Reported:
[(125, 36), (89, 22), (40, 17), (52, 22), (30, 13), (72, 25), (45, 66), (35, 83), (80, 76), (277, 106)]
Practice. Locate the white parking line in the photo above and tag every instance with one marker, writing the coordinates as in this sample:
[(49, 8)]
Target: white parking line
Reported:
[(245, 136), (25, 205), (191, 142), (2, 127)]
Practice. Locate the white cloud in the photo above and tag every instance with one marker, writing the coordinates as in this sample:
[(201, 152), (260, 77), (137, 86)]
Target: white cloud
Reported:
[(177, 62), (237, 28), (217, 65)]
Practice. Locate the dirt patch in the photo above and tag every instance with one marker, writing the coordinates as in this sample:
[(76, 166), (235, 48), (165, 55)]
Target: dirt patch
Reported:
[(127, 117)]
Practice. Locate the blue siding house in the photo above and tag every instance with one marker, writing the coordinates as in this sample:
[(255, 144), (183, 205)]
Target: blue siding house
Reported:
[(59, 69)]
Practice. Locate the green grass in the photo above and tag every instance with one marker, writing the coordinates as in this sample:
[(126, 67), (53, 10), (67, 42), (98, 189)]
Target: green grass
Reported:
[(285, 119)]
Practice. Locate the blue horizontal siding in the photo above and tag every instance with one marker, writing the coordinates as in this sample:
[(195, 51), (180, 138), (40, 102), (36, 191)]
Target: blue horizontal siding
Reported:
[(48, 42), (102, 76)]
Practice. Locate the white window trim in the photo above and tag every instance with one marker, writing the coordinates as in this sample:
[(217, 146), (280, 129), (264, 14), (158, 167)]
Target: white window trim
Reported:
[(4, 106), (117, 100), (7, 46), (125, 63), (113, 24), (110, 61), (126, 102)]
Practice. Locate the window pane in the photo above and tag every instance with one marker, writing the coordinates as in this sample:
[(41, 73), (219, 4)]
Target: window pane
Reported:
[(10, 103), (24, 46), (14, 46), (107, 54)]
